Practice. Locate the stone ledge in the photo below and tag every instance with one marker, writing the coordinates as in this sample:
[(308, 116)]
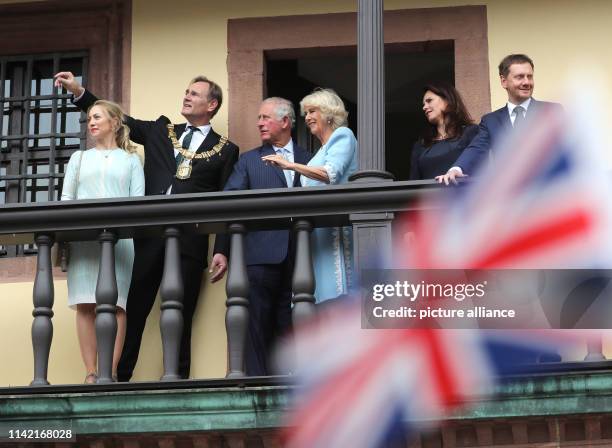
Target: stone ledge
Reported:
[(568, 400), (138, 412)]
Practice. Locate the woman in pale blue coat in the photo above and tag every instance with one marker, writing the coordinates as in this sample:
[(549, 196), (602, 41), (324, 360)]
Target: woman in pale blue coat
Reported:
[(108, 170), (334, 162)]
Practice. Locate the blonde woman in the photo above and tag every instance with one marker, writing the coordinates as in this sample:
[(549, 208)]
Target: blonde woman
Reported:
[(334, 162), (111, 169)]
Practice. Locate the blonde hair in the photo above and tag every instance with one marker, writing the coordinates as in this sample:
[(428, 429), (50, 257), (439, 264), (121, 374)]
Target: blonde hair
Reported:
[(122, 132), (329, 103)]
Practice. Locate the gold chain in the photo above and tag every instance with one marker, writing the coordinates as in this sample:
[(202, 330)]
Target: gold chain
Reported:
[(192, 155)]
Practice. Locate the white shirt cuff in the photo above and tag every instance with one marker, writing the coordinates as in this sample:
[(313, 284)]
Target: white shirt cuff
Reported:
[(77, 98)]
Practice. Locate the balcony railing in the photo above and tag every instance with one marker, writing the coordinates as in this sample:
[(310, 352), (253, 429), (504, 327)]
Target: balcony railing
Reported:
[(169, 217), (368, 207)]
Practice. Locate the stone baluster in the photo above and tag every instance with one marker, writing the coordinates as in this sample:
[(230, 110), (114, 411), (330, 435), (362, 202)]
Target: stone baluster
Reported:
[(106, 306), (43, 294), (303, 281), (237, 314), (171, 291)]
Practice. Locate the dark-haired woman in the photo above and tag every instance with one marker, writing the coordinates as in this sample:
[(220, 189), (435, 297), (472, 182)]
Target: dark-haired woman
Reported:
[(450, 129)]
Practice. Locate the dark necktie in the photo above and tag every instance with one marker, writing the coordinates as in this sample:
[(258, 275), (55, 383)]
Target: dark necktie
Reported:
[(186, 142), (519, 118)]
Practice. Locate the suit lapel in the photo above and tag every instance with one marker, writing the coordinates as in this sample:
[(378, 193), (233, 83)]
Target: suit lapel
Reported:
[(300, 155), (533, 107), (268, 150), (171, 159), (179, 129), (504, 117), (212, 138)]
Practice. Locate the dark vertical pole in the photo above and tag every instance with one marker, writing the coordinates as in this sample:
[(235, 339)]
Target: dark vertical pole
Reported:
[(371, 232), (53, 181), (106, 307), (42, 327), (237, 314), (171, 291), (303, 274), (371, 90)]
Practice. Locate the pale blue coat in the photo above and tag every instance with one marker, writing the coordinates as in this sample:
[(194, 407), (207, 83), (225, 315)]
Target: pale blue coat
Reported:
[(333, 246)]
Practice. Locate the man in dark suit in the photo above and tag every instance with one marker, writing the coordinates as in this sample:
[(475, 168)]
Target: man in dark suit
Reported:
[(269, 256), (516, 76), (183, 158)]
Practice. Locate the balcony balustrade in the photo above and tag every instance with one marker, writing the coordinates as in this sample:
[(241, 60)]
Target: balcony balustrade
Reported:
[(369, 207), (123, 409)]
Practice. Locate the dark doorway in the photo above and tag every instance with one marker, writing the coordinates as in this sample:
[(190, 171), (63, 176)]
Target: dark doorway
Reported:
[(293, 74)]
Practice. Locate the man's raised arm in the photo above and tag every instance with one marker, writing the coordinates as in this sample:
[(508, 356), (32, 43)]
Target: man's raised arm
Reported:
[(70, 83)]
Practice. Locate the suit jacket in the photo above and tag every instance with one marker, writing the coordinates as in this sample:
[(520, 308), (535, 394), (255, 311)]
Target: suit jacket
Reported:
[(251, 173), (492, 126), (160, 166)]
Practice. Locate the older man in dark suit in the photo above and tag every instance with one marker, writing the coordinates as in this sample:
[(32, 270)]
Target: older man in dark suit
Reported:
[(516, 76), (269, 256), (183, 158)]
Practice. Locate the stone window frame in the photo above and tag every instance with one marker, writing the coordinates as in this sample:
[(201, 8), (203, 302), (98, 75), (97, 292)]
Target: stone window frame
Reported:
[(102, 28), (249, 39)]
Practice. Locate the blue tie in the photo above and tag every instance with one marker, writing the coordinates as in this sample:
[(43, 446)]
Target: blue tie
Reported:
[(519, 118), (284, 152)]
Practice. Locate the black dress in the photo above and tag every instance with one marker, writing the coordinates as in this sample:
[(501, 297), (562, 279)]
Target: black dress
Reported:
[(435, 160)]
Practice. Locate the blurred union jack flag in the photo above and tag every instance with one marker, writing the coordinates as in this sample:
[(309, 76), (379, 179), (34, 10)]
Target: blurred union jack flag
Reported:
[(369, 388), (541, 203), (361, 388)]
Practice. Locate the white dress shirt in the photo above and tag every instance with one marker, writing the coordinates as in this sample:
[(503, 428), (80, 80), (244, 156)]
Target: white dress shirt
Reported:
[(196, 140)]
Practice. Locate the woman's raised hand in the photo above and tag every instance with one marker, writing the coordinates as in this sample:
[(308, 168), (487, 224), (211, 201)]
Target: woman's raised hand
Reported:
[(278, 161)]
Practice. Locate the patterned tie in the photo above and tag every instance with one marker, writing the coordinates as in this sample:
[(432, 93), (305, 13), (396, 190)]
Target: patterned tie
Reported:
[(519, 118), (186, 142)]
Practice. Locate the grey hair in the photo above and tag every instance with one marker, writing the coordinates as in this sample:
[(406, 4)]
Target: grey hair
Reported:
[(282, 108), (329, 103)]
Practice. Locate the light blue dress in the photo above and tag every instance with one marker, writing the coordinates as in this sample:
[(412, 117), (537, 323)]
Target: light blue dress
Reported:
[(333, 246), (111, 173)]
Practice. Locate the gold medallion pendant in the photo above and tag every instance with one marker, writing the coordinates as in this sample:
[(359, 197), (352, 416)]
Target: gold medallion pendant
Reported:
[(183, 171)]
